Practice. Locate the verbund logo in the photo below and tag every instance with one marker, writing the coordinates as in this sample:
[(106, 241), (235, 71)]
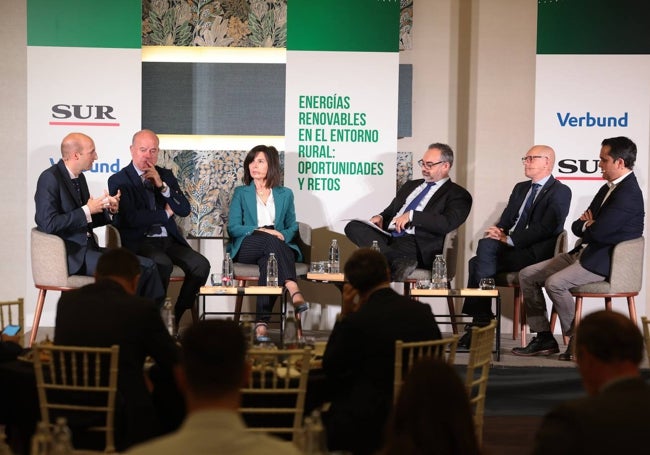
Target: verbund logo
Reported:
[(83, 115), (99, 167), (574, 169), (590, 121)]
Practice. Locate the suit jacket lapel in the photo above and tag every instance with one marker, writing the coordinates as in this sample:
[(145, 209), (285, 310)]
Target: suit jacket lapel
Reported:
[(132, 174), (280, 201), (439, 193), (67, 181), (251, 203), (542, 193)]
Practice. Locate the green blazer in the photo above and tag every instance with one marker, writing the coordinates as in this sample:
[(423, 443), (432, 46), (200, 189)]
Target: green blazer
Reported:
[(242, 217)]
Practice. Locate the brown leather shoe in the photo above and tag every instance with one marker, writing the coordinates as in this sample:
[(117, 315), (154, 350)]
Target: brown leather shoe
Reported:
[(568, 355)]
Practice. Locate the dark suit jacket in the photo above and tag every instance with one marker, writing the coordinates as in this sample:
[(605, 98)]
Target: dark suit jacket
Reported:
[(359, 364), (242, 217), (620, 218), (447, 209), (135, 217), (615, 421), (59, 212), (545, 221), (103, 314)]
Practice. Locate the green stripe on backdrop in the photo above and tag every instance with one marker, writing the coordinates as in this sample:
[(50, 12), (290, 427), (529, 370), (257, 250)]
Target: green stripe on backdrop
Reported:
[(343, 25), (84, 23), (593, 27)]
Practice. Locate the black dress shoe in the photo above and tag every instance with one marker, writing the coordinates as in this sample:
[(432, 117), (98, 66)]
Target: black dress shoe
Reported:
[(538, 346), (403, 268), (568, 355)]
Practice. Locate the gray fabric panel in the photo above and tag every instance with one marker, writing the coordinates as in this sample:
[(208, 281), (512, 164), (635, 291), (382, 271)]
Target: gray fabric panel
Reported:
[(405, 101), (230, 98), (213, 98)]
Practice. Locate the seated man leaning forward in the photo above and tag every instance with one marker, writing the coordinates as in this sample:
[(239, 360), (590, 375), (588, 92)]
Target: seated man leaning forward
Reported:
[(615, 214), (614, 417), (151, 199), (65, 207), (525, 234), (106, 313), (360, 354), (419, 217)]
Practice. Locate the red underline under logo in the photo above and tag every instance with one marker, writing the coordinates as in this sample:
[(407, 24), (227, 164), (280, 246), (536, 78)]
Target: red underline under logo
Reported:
[(579, 178), (83, 124)]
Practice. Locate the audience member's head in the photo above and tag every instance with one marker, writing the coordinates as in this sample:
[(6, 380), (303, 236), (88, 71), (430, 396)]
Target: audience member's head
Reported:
[(608, 346), (367, 269), (214, 364), (432, 414), (120, 265)]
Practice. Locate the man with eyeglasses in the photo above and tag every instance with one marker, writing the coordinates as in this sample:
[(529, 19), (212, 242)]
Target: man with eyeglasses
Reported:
[(615, 214), (524, 235), (419, 217)]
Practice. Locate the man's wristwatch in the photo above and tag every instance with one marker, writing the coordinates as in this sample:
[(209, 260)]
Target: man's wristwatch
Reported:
[(163, 188)]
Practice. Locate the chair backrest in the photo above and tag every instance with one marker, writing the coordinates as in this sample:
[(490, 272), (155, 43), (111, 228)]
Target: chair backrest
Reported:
[(76, 380), (112, 237), (627, 266), (13, 313), (645, 322), (304, 241), (478, 370), (276, 390), (561, 243), (407, 353), (49, 259)]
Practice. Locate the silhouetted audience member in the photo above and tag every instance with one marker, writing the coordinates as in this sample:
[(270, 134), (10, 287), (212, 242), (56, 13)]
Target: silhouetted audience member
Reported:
[(9, 347), (360, 354), (432, 414), (614, 417), (214, 368)]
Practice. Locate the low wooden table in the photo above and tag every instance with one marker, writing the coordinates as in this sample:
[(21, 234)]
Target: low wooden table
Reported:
[(467, 292), (337, 279), (220, 291)]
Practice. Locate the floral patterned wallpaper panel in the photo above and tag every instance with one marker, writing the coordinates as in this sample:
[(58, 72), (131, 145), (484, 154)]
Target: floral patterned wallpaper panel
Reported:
[(231, 23)]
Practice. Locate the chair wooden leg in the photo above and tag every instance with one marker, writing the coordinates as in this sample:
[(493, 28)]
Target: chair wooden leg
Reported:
[(407, 288), (516, 314), (523, 326), (631, 307), (37, 315), (578, 314), (608, 303), (565, 338), (452, 315)]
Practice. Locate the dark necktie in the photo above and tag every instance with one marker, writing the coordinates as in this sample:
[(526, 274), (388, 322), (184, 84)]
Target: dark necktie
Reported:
[(77, 187), (525, 213), (413, 205), (151, 196)]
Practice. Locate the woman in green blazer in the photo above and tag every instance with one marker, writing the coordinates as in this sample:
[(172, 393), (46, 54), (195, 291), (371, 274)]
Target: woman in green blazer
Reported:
[(262, 220)]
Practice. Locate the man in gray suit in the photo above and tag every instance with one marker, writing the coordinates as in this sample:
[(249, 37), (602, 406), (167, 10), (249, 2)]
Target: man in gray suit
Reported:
[(614, 417)]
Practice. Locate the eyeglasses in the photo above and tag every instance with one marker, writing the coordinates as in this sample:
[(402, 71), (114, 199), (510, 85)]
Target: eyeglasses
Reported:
[(529, 159), (428, 165)]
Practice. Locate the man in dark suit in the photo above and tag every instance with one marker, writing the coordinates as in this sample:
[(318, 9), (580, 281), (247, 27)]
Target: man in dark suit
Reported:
[(524, 235), (106, 313), (419, 217), (151, 198), (614, 417), (615, 214), (360, 354), (64, 207)]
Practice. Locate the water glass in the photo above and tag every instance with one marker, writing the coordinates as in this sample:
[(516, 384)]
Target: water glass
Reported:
[(215, 279), (487, 284), (423, 284)]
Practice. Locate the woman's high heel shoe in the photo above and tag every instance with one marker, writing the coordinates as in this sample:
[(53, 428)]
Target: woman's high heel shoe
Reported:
[(300, 308), (261, 332)]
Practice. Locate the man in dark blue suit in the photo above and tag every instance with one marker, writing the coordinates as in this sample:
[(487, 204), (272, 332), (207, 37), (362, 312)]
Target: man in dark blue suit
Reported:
[(64, 207), (524, 235), (151, 198), (615, 214)]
